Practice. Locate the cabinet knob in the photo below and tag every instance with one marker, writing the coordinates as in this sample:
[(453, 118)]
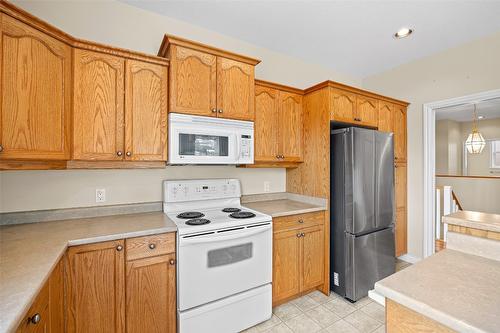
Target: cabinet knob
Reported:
[(301, 221), (357, 119), (35, 319), (119, 153), (299, 234), (152, 246), (119, 248), (282, 156), (214, 110), (129, 153), (220, 110), (171, 262), (302, 234), (1, 148)]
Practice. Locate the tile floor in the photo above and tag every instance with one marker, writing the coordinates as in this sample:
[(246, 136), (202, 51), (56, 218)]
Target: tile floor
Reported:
[(316, 312)]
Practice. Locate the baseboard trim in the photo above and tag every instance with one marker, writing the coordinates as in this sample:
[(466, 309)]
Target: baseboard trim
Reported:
[(409, 258), (376, 297)]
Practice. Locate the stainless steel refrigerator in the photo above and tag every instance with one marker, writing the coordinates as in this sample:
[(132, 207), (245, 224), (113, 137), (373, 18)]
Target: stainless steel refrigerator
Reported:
[(362, 210)]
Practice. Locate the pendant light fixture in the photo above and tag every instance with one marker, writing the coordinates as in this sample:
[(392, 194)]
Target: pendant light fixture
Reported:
[(475, 142)]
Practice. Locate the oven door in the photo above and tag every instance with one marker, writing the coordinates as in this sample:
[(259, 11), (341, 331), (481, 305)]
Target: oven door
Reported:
[(214, 265), (202, 146)]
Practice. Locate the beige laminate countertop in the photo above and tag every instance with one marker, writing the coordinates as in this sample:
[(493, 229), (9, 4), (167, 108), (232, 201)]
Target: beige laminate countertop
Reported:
[(284, 207), (29, 252), (476, 220), (456, 289)]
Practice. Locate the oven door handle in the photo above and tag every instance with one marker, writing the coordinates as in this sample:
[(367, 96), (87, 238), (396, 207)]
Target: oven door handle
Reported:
[(218, 237)]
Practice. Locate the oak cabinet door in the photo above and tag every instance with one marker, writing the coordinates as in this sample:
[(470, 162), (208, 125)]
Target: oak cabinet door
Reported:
[(56, 298), (35, 94), (151, 300), (266, 123), (385, 117), (400, 185), (98, 126), (286, 264), (235, 89), (193, 82), (313, 263), (400, 133), (96, 288), (401, 232), (290, 127), (343, 107), (366, 111), (145, 111), (41, 309)]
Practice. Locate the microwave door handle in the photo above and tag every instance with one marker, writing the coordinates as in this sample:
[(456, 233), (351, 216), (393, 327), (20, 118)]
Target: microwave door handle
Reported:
[(216, 238), (238, 142)]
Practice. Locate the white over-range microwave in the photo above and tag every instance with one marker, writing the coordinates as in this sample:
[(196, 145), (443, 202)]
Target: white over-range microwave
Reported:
[(207, 140)]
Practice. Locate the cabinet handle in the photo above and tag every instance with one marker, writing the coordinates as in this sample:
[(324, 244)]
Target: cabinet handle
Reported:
[(301, 221), (302, 234), (214, 110), (1, 148), (119, 153), (35, 319), (152, 246), (283, 156), (220, 110), (171, 262), (119, 248), (129, 153)]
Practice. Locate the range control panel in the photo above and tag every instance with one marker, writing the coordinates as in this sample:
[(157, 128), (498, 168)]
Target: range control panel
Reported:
[(200, 189)]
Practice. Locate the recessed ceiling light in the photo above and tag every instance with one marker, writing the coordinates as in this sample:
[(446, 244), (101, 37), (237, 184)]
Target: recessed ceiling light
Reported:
[(403, 32), (480, 117)]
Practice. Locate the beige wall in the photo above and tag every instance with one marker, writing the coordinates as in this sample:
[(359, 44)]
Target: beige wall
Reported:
[(449, 145), (480, 195), (121, 25), (467, 69)]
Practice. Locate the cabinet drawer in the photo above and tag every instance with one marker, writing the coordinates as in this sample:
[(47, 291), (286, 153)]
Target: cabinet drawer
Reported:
[(298, 221), (150, 246)]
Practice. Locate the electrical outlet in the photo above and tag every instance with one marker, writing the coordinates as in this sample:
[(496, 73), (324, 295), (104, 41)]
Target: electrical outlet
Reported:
[(336, 278), (267, 184), (100, 195)]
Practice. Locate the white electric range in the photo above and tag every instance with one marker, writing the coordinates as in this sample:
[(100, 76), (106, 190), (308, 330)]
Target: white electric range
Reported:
[(224, 256)]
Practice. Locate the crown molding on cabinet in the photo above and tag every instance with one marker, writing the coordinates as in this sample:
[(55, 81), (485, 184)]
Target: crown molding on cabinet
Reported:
[(170, 39), (279, 86)]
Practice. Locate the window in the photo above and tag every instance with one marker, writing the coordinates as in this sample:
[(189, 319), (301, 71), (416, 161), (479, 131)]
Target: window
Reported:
[(495, 154)]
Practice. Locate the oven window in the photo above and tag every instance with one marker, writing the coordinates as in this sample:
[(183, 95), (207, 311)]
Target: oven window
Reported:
[(203, 145), (229, 255)]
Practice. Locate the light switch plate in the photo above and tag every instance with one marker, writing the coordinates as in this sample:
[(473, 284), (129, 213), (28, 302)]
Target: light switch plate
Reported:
[(100, 195)]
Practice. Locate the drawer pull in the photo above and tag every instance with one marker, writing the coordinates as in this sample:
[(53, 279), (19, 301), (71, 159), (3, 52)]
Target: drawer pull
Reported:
[(301, 221), (302, 234), (35, 319), (152, 246), (172, 262), (119, 248), (299, 234)]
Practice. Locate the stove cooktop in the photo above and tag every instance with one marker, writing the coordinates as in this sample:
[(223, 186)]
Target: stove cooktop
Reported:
[(217, 217)]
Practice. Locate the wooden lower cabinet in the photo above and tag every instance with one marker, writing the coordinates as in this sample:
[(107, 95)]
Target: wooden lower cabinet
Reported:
[(96, 288), (107, 292), (151, 305), (298, 255), (46, 314)]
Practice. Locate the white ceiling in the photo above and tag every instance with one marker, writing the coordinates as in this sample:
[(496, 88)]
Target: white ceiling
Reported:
[(489, 109), (351, 37)]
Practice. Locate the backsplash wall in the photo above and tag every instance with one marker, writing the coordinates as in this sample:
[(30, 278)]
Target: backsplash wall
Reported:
[(38, 190)]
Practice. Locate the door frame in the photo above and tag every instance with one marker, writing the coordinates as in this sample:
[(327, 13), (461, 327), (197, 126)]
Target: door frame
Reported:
[(429, 131)]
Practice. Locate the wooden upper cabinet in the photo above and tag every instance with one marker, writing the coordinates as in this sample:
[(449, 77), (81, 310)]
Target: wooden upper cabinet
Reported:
[(151, 298), (235, 89), (95, 275), (400, 133), (385, 117), (145, 111), (343, 106), (193, 82), (290, 126), (35, 94), (266, 123), (366, 110), (207, 81), (98, 126)]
